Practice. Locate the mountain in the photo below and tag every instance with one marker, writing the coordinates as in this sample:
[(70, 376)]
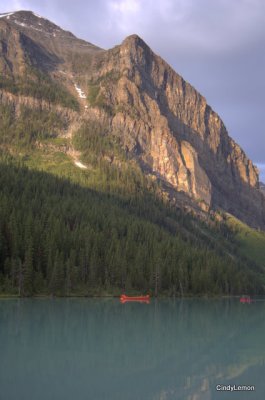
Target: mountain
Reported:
[(159, 119), (39, 41), (121, 128), (174, 133), (262, 187)]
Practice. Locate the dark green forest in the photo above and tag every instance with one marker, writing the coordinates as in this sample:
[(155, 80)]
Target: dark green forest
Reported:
[(59, 238)]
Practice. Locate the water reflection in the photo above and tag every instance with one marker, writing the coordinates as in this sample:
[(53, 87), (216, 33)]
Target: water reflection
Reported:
[(104, 350)]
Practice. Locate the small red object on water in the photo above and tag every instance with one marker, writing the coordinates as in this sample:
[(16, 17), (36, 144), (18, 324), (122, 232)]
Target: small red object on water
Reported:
[(245, 299), (141, 299)]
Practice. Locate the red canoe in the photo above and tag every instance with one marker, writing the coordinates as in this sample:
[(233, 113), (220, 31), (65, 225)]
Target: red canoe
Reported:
[(124, 298), (245, 299)]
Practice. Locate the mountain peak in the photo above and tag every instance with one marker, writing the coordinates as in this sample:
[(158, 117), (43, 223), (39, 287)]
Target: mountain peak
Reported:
[(22, 15), (30, 21), (134, 41), (17, 13), (136, 50), (134, 38), (41, 30)]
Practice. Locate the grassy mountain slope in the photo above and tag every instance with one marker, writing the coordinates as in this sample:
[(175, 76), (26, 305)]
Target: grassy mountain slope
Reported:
[(251, 243)]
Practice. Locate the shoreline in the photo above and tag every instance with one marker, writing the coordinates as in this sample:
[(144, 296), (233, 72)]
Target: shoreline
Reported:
[(46, 296)]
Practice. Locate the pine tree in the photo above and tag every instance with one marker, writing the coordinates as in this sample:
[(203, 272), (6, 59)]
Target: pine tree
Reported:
[(28, 272), (68, 278), (57, 283)]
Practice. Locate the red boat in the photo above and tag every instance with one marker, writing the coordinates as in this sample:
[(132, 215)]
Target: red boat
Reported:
[(245, 299), (142, 299)]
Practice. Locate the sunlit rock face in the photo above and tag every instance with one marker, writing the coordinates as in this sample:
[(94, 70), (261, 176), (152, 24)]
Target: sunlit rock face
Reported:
[(176, 134), (161, 120)]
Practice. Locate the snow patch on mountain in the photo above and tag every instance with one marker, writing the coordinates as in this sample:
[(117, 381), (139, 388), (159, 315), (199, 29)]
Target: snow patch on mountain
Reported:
[(20, 23), (6, 15), (37, 15), (80, 92), (31, 27), (80, 165)]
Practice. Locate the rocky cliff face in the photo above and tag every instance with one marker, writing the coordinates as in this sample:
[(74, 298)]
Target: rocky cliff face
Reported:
[(175, 134), (161, 120), (262, 188)]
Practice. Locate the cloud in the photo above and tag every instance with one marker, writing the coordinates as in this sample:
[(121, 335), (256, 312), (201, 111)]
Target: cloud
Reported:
[(124, 13), (125, 7), (224, 25), (12, 5), (210, 26)]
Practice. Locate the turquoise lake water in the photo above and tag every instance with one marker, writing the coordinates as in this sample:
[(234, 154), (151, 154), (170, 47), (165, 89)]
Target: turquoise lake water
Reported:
[(97, 349)]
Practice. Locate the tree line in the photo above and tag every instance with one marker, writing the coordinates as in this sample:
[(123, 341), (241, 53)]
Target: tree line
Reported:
[(59, 238)]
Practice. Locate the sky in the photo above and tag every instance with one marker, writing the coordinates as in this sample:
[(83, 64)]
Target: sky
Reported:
[(217, 46)]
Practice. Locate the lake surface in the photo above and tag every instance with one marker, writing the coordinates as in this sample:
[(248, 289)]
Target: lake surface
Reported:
[(75, 349)]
